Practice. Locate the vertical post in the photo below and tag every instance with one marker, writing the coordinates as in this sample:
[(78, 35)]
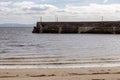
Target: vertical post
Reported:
[(40, 24), (58, 25), (102, 18), (101, 21), (41, 19), (56, 18)]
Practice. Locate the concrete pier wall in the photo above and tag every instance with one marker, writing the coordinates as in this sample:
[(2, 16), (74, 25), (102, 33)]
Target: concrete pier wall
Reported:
[(111, 27)]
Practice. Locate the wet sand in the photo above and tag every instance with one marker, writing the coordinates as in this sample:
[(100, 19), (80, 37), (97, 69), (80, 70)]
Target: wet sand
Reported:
[(112, 73)]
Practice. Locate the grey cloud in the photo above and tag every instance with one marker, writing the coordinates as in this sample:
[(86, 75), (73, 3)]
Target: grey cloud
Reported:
[(39, 8)]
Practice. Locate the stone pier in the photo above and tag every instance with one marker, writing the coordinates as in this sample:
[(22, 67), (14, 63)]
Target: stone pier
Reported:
[(111, 27)]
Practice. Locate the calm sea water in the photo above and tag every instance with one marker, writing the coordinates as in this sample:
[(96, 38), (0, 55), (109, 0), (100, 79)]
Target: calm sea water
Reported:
[(20, 48)]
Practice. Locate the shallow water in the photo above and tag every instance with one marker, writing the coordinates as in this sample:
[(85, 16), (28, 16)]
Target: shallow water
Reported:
[(19, 47)]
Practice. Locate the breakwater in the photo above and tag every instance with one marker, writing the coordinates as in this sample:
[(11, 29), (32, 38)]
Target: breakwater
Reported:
[(111, 27)]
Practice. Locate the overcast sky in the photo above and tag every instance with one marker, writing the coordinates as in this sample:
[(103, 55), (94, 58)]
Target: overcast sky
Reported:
[(30, 11)]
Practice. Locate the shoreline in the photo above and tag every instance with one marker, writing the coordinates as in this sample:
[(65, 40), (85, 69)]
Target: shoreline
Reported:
[(60, 66), (96, 73), (58, 62)]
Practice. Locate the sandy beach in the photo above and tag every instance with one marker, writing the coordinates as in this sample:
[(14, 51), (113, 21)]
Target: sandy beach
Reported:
[(112, 73)]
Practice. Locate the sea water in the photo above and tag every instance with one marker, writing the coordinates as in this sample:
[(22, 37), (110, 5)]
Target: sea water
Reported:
[(20, 48)]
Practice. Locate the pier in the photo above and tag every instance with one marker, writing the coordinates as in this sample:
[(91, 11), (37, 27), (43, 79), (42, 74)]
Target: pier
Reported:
[(105, 27)]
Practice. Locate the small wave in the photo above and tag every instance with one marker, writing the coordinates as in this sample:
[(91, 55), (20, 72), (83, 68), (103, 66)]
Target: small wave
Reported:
[(2, 52), (26, 45), (17, 45), (4, 39)]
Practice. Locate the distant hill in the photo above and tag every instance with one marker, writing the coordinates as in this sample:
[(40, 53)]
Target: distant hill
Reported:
[(16, 25)]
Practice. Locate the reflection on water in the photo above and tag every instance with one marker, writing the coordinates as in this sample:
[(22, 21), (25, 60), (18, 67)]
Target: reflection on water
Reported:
[(18, 46)]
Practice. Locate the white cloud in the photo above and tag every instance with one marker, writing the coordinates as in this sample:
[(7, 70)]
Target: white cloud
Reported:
[(93, 12), (5, 3), (29, 12), (24, 4)]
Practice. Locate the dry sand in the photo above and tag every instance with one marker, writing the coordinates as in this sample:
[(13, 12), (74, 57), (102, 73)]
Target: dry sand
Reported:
[(61, 74)]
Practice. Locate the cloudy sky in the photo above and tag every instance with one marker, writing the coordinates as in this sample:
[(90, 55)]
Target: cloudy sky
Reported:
[(30, 11)]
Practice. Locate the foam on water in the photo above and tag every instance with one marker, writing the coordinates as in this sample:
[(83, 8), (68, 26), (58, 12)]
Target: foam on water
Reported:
[(59, 66)]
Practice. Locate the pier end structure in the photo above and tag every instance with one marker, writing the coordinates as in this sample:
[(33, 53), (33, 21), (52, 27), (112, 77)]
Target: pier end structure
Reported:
[(112, 27)]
